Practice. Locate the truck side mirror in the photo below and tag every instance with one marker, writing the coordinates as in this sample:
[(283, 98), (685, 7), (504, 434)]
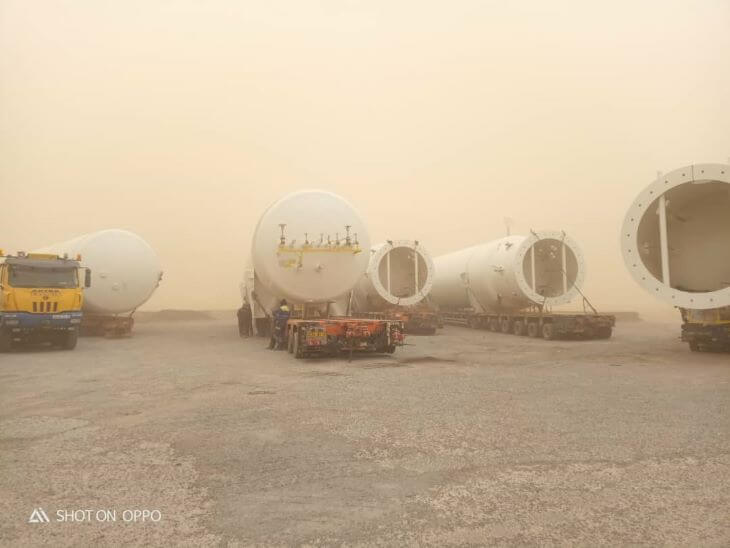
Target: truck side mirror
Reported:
[(87, 277)]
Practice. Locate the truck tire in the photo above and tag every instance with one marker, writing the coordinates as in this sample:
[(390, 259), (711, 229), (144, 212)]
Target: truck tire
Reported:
[(694, 346), (70, 339), (296, 347), (493, 324), (6, 340), (518, 328), (533, 329), (548, 333), (604, 333), (290, 341), (505, 325)]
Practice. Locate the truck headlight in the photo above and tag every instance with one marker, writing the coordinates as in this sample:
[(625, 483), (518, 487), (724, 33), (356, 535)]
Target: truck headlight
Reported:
[(12, 322), (75, 320)]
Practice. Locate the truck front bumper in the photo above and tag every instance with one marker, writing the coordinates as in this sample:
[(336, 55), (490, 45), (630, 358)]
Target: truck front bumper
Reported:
[(28, 321)]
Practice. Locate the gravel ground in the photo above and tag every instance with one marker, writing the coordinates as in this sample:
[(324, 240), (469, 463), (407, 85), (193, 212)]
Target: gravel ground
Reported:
[(463, 438)]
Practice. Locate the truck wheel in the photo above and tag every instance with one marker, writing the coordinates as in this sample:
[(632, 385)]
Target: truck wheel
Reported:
[(604, 333), (694, 346), (296, 347), (493, 324), (290, 342), (518, 328), (533, 329), (505, 325), (6, 340), (548, 333), (70, 340)]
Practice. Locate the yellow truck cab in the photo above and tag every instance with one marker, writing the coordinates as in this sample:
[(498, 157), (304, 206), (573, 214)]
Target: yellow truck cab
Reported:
[(40, 299), (706, 329)]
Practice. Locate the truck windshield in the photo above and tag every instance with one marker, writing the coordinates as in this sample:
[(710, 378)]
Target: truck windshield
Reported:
[(28, 276)]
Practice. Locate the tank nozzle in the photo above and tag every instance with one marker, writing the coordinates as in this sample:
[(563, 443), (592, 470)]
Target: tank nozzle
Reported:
[(348, 240)]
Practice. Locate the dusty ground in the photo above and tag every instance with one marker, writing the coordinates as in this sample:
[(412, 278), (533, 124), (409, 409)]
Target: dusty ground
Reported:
[(466, 437)]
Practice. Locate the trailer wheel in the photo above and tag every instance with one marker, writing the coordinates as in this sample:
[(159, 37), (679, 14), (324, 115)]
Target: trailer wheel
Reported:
[(694, 346), (6, 340), (70, 339), (296, 347), (290, 341), (533, 329), (518, 328), (548, 333), (505, 325)]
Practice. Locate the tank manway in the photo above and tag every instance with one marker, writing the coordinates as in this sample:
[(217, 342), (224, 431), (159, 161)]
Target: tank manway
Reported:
[(675, 238), (400, 272)]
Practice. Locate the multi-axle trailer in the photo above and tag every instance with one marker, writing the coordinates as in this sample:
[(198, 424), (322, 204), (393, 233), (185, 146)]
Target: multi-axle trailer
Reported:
[(534, 323)]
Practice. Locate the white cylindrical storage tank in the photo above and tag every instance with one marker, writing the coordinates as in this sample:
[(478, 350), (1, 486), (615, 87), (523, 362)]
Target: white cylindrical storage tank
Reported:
[(125, 270), (400, 273), (310, 246), (675, 238), (545, 268)]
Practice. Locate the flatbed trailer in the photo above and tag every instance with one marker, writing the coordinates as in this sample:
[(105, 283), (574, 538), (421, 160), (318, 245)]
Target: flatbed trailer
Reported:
[(536, 323), (416, 321), (337, 335)]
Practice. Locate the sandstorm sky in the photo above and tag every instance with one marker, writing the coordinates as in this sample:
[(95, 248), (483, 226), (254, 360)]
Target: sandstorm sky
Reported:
[(183, 120)]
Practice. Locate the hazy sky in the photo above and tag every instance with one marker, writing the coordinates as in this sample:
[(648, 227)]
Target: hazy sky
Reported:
[(183, 120)]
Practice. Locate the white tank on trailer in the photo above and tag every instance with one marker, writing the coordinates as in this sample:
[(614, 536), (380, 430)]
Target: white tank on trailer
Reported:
[(400, 272), (675, 238), (310, 246), (125, 270), (509, 274)]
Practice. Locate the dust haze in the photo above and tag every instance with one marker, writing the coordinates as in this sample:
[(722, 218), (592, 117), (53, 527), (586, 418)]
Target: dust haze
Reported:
[(182, 121)]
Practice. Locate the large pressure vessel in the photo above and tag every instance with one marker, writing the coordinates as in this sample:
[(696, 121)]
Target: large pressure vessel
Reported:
[(509, 274), (310, 246), (125, 270), (676, 237), (400, 272)]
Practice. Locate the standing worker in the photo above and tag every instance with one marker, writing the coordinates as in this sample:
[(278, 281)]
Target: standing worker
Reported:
[(244, 320), (279, 316)]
